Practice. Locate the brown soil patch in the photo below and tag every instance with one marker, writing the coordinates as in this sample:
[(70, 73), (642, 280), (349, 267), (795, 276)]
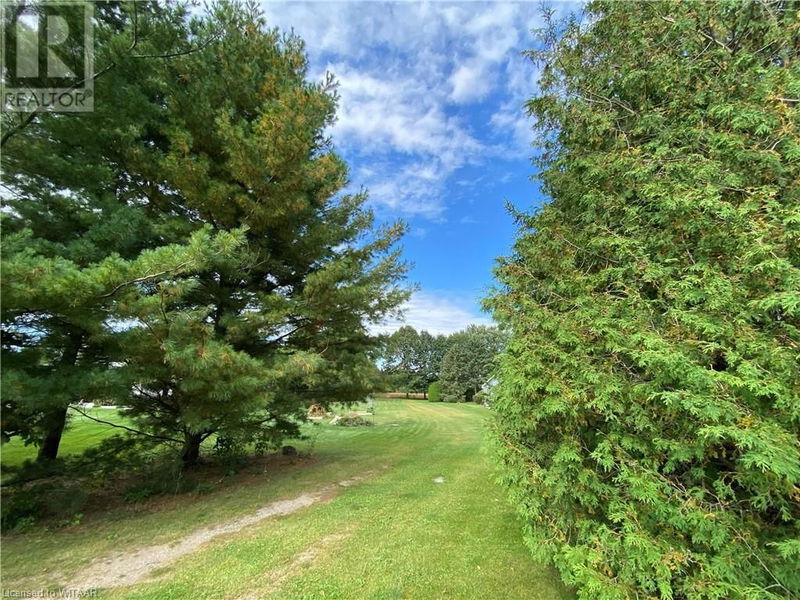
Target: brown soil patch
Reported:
[(133, 567)]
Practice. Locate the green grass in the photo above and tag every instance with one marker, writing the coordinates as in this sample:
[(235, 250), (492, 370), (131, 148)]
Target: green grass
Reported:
[(81, 433), (396, 534)]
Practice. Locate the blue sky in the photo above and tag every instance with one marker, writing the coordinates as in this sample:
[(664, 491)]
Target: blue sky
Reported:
[(431, 122)]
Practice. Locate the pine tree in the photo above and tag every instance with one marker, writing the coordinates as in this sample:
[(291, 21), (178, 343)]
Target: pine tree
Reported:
[(194, 237), (244, 347), (73, 222), (648, 408)]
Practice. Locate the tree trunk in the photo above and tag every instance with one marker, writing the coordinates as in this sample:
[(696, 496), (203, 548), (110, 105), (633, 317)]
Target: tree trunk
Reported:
[(52, 439), (57, 418), (191, 448)]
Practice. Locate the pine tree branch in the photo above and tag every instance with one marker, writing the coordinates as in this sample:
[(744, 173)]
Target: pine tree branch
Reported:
[(202, 46), (32, 115), (118, 426), (142, 279)]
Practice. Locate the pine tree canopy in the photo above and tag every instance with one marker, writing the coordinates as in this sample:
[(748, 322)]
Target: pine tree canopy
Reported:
[(648, 409), (213, 261)]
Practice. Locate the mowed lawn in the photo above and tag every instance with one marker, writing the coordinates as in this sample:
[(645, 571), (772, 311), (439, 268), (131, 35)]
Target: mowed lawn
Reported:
[(396, 533), (82, 433)]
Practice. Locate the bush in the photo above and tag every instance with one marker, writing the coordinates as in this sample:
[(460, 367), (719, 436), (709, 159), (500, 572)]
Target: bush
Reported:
[(353, 421), (231, 453), (138, 492), (435, 392), (162, 478), (25, 505), (648, 408)]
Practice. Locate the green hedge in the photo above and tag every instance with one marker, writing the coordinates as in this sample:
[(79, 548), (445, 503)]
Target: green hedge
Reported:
[(648, 407), (435, 392)]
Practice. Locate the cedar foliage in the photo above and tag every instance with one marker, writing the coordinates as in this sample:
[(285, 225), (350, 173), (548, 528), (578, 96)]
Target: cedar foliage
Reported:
[(648, 407)]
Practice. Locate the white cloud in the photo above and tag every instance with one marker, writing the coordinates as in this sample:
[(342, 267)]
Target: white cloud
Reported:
[(471, 81), (418, 232), (396, 113), (407, 72), (435, 314), (491, 35), (517, 127), (391, 113), (510, 121)]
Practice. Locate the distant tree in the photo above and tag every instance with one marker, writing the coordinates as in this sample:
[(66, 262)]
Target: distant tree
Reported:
[(468, 362), (401, 360), (412, 360), (432, 350), (648, 407)]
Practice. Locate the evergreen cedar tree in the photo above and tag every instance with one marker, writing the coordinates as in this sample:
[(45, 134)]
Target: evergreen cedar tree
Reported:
[(648, 406), (185, 250)]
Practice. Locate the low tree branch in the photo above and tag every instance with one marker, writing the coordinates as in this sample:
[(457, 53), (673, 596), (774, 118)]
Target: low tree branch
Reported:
[(118, 426)]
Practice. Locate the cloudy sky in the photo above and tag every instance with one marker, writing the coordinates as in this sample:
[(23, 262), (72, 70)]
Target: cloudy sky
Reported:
[(431, 121)]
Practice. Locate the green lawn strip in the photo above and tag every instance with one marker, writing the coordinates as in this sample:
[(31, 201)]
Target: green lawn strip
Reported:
[(340, 453), (406, 536), (81, 433), (450, 540)]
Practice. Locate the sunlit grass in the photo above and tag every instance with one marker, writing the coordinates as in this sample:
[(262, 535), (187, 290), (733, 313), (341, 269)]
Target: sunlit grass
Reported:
[(396, 534), (81, 433)]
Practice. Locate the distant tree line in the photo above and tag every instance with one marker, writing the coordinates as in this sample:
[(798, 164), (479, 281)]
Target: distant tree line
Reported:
[(461, 363)]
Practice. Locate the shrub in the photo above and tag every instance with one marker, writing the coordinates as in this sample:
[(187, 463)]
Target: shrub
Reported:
[(435, 392), (24, 505), (353, 421), (138, 492), (648, 408), (231, 453), (161, 478), (204, 488)]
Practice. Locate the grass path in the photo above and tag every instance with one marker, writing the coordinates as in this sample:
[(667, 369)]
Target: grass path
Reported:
[(395, 534)]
